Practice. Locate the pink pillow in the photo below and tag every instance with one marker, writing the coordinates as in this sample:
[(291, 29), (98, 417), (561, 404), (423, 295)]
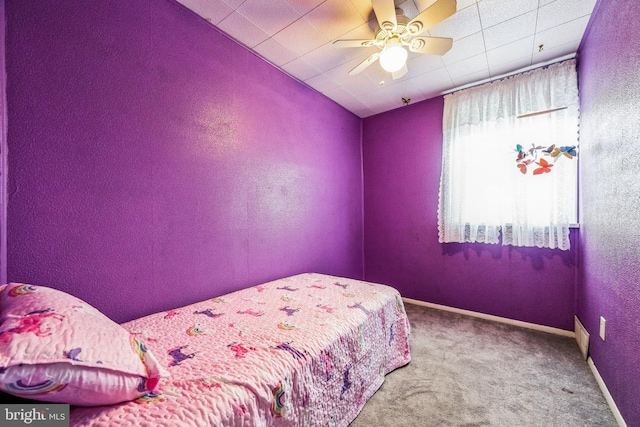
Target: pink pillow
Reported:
[(57, 348)]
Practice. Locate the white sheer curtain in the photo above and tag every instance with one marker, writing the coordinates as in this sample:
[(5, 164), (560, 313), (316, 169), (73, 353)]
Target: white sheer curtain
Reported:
[(482, 191)]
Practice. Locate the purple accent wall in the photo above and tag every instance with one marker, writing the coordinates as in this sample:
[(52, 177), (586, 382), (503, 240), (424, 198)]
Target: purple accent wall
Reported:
[(609, 286), (402, 152), (3, 149), (154, 162)]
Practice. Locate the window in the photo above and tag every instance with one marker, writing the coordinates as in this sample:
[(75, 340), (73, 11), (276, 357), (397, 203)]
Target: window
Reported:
[(508, 166)]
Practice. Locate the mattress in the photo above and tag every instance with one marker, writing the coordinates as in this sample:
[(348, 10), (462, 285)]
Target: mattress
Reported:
[(307, 350)]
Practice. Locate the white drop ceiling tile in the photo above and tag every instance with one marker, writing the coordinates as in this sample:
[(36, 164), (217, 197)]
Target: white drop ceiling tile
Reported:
[(435, 93), (271, 16), (560, 12), (493, 12), (478, 77), (543, 2), (380, 106), (361, 32), (385, 103), (374, 89), (462, 24), (391, 95), (556, 52), (304, 6), (364, 55), (408, 8), (365, 90), (424, 63), (433, 81), (510, 31), (243, 30), (334, 18), (301, 37), (418, 97), (363, 113), (325, 57), (561, 34), (234, 4), (462, 4), (375, 74), (370, 74), (467, 66), (340, 76), (275, 52), (353, 53), (300, 69), (213, 11), (322, 83), (464, 48), (398, 89), (364, 9), (500, 68), (516, 50), (342, 97)]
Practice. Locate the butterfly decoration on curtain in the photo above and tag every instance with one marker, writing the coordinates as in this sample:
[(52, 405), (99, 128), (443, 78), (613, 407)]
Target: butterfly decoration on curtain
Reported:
[(534, 157)]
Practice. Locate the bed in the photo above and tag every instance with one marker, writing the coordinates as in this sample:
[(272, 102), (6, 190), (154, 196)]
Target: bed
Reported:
[(307, 350)]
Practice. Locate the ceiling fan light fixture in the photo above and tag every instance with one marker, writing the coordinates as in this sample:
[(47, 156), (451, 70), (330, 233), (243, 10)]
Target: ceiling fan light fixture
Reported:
[(395, 37), (393, 57)]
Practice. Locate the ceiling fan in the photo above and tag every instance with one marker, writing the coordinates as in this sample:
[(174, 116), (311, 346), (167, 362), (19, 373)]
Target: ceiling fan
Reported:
[(397, 32)]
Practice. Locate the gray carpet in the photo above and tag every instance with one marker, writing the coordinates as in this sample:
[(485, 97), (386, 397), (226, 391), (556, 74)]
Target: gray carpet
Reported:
[(469, 372)]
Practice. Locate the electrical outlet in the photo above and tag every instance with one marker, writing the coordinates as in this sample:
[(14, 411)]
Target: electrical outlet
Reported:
[(603, 327)]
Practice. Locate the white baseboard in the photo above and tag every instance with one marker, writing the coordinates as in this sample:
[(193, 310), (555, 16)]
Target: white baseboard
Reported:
[(519, 323), (607, 395)]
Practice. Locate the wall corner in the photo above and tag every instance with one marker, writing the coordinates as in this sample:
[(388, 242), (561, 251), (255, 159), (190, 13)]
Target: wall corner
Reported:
[(3, 147)]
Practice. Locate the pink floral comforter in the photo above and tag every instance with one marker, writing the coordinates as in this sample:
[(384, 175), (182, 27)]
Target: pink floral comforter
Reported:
[(308, 350)]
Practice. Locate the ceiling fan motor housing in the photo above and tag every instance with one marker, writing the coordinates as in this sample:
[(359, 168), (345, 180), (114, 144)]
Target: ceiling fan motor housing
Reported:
[(399, 31)]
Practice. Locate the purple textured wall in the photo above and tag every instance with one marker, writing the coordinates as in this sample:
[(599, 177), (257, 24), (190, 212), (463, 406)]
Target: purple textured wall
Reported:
[(3, 149), (609, 284), (402, 152), (154, 162)]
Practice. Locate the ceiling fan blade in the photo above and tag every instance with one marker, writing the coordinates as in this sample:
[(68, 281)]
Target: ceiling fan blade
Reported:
[(385, 11), (401, 72), (354, 43), (431, 16), (364, 64), (431, 45)]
